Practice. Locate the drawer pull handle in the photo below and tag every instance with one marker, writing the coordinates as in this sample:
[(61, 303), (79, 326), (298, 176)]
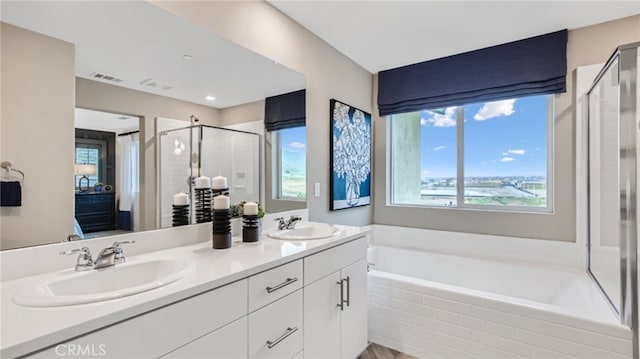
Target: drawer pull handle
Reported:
[(341, 302), (271, 344), (283, 284)]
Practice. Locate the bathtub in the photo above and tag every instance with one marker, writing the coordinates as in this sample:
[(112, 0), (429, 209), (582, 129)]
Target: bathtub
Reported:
[(433, 305)]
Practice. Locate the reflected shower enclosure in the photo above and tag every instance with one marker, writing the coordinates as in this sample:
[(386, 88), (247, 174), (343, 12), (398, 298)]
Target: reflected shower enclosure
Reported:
[(613, 181), (201, 150)]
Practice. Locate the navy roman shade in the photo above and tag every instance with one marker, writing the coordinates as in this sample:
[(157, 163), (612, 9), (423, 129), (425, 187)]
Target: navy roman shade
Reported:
[(285, 111), (533, 66)]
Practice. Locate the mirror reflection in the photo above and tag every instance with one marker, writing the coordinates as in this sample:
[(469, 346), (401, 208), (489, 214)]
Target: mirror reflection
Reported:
[(99, 60), (189, 154), (107, 157)]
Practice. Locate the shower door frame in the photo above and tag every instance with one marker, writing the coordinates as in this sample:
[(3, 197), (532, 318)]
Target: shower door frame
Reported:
[(627, 309), (198, 145)]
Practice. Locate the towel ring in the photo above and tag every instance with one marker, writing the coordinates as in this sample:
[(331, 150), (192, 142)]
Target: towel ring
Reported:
[(8, 166)]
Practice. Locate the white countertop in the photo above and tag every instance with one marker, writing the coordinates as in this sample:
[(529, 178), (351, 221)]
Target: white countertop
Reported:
[(26, 329)]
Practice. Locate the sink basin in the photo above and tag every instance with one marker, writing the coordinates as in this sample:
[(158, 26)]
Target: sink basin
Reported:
[(124, 279), (304, 231)]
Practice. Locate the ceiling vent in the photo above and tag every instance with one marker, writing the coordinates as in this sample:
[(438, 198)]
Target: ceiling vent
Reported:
[(105, 77), (156, 84)]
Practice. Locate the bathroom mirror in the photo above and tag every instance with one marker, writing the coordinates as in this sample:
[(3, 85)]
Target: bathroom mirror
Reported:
[(136, 60)]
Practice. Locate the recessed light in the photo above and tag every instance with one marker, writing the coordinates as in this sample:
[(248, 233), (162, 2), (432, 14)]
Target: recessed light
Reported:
[(187, 57), (210, 98)]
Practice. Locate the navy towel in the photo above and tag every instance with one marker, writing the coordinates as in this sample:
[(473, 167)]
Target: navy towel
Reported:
[(10, 194)]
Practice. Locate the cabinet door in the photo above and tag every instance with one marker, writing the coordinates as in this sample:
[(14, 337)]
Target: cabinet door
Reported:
[(322, 318), (228, 342), (354, 316)]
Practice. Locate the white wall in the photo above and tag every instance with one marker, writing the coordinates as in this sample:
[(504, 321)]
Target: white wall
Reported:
[(37, 135), (261, 28)]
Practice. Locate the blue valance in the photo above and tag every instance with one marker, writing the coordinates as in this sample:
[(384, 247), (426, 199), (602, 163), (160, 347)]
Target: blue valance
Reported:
[(285, 111), (533, 66)]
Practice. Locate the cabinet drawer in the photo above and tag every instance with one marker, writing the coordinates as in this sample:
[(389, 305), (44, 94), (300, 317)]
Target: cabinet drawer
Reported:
[(228, 342), (326, 262), (95, 219), (82, 208), (160, 331), (274, 284), (275, 331)]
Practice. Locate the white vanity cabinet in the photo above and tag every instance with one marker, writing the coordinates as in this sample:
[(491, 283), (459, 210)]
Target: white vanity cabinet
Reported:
[(335, 302), (293, 311), (161, 331)]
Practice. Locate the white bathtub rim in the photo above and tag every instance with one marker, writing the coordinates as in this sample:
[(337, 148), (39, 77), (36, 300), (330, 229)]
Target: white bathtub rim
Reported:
[(539, 311), (551, 254), (500, 259)]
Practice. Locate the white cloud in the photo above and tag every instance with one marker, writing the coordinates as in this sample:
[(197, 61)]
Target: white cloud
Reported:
[(439, 148), (507, 159), (520, 152), (441, 120), (495, 109), (297, 145), (425, 173)]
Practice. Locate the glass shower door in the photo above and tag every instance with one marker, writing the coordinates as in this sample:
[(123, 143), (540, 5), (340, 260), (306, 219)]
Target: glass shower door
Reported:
[(174, 168), (604, 184), (613, 183), (235, 155)]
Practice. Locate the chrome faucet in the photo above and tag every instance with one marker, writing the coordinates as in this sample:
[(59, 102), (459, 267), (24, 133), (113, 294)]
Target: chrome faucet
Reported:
[(108, 257), (85, 262), (288, 224), (111, 256)]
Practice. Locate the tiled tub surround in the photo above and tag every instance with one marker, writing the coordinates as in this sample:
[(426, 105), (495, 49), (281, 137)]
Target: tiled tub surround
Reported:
[(434, 305)]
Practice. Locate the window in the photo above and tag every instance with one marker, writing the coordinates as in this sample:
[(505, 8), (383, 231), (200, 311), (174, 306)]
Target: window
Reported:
[(290, 155), (135, 166), (490, 155), (91, 152)]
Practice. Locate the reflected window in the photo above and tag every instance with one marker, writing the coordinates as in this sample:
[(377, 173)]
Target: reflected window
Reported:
[(290, 155), (89, 153)]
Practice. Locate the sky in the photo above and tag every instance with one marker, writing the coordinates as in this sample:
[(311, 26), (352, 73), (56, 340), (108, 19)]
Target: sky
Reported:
[(294, 146), (502, 138), (294, 139)]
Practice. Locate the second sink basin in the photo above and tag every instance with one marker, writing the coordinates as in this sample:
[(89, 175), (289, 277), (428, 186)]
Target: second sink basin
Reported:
[(102, 284), (304, 231)]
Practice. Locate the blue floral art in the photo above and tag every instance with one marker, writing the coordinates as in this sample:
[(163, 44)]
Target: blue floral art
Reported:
[(350, 156)]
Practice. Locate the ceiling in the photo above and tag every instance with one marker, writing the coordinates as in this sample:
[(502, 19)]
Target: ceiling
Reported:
[(147, 55), (380, 35), (144, 45), (105, 121)]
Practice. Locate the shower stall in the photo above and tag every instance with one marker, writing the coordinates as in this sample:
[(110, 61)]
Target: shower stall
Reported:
[(201, 150), (613, 122)]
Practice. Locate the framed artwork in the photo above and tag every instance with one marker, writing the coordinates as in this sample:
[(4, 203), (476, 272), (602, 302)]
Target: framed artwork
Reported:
[(350, 183)]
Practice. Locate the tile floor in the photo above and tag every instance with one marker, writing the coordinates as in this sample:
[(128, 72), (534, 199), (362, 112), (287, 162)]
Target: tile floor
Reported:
[(375, 351)]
